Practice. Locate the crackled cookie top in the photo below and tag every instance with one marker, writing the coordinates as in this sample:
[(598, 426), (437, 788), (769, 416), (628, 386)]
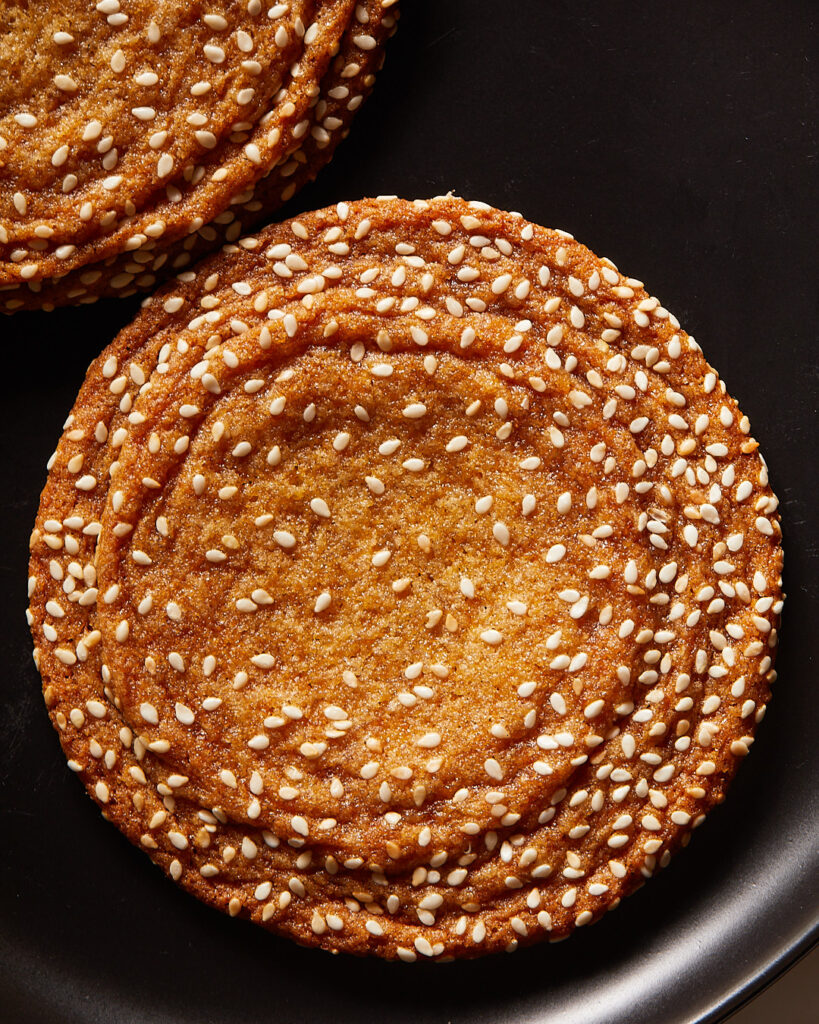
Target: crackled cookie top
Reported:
[(425, 544)]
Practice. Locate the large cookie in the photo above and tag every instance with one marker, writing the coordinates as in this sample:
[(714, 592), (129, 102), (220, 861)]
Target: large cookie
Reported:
[(430, 540), (66, 244)]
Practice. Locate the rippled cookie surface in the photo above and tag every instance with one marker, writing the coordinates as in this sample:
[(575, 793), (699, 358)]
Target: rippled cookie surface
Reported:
[(420, 557)]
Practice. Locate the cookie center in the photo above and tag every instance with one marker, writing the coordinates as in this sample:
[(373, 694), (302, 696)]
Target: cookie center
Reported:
[(380, 584)]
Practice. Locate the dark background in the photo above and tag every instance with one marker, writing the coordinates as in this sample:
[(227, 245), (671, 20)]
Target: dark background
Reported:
[(679, 140)]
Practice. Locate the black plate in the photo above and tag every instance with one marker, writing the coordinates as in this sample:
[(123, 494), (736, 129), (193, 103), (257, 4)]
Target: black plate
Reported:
[(676, 139)]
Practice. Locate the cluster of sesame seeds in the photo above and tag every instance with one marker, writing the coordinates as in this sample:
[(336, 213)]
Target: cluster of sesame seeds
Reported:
[(516, 754), (227, 147)]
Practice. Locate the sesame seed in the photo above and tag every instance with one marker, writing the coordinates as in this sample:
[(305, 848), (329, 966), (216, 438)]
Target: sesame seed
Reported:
[(491, 637), (429, 740), (500, 532)]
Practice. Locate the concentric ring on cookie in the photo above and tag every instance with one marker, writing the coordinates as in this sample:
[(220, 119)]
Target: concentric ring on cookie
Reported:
[(677, 709)]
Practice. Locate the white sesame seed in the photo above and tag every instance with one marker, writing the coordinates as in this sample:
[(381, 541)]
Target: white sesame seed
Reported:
[(500, 532), (429, 740)]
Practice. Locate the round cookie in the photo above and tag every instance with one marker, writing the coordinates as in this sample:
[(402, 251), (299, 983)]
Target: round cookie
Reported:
[(61, 218), (552, 852)]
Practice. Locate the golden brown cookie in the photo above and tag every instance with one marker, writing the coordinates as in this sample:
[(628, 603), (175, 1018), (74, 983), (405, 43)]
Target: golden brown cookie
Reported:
[(246, 168), (432, 547)]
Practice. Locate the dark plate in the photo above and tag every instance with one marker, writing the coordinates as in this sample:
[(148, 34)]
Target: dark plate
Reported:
[(678, 140)]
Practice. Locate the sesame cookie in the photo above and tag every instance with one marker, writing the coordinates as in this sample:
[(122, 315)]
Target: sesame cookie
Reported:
[(429, 547), (232, 169)]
